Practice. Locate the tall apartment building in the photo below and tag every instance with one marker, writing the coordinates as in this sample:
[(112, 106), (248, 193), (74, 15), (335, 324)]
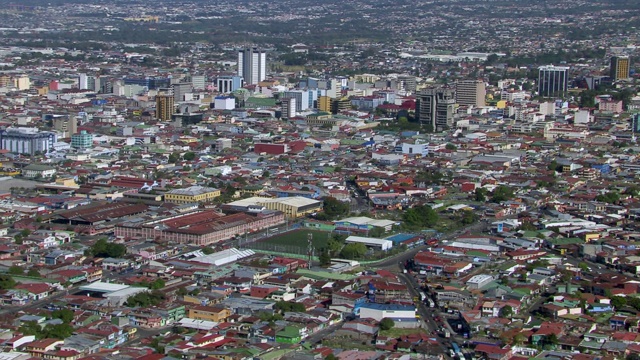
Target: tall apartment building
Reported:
[(252, 65), (324, 103), (619, 68), (553, 81), (302, 98), (165, 105), (288, 107), (229, 83), (83, 140), (470, 93), (435, 107), (27, 140), (198, 82), (67, 125), (180, 89), (408, 83)]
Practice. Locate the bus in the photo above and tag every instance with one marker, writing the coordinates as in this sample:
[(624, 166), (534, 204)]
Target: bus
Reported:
[(431, 303)]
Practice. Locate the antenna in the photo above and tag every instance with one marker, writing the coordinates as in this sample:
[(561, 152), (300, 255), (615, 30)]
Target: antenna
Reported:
[(310, 248)]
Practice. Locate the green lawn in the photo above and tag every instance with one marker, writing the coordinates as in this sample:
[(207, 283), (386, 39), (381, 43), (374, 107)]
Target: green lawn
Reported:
[(295, 242)]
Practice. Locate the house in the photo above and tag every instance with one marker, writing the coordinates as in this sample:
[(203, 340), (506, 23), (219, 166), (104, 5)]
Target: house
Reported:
[(37, 171), (493, 352), (37, 291), (209, 313), (39, 347)]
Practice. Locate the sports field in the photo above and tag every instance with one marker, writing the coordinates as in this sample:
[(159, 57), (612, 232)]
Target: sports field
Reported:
[(294, 242)]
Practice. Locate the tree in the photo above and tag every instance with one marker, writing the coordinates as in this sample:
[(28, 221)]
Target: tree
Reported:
[(480, 195), (181, 291), (335, 208), (33, 273), (189, 155), (207, 250), (421, 216), (506, 312), (25, 233), (387, 324), (501, 193), (450, 146), (174, 157), (65, 315), (325, 257), (15, 270), (146, 299), (468, 217), (18, 239), (353, 251), (102, 248), (618, 302), (156, 284), (583, 266), (330, 357), (286, 306), (610, 197), (6, 282)]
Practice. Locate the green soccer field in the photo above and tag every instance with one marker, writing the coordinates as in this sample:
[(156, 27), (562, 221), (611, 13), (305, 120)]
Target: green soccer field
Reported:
[(295, 242)]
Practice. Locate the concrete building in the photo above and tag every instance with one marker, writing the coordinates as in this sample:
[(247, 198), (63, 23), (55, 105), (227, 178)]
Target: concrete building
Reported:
[(165, 106), (324, 103), (435, 107), (470, 93), (198, 82), (288, 108), (479, 281), (392, 311), (180, 90), (407, 83), (192, 194), (381, 244), (27, 140), (301, 97), (292, 207), (252, 65), (224, 103), (229, 84), (83, 140), (620, 67), (66, 124), (552, 81)]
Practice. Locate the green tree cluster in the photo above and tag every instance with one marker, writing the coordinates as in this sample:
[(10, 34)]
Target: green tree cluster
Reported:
[(502, 193), (146, 299), (334, 208), (290, 306), (353, 251), (610, 197), (421, 216), (102, 248), (480, 194), (387, 324), (468, 217), (6, 282)]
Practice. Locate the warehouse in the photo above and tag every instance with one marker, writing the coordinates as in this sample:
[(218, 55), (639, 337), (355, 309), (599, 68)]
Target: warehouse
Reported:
[(381, 244)]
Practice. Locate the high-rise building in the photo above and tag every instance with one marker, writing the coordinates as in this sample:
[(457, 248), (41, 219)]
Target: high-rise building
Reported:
[(470, 93), (620, 66), (228, 84), (65, 124), (552, 81), (27, 140), (408, 83), (83, 82), (164, 105), (435, 107), (180, 90), (324, 103), (198, 82), (303, 99), (288, 107), (83, 140), (252, 65)]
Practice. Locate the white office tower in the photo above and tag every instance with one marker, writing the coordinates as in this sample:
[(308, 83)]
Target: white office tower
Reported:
[(252, 65), (83, 82)]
